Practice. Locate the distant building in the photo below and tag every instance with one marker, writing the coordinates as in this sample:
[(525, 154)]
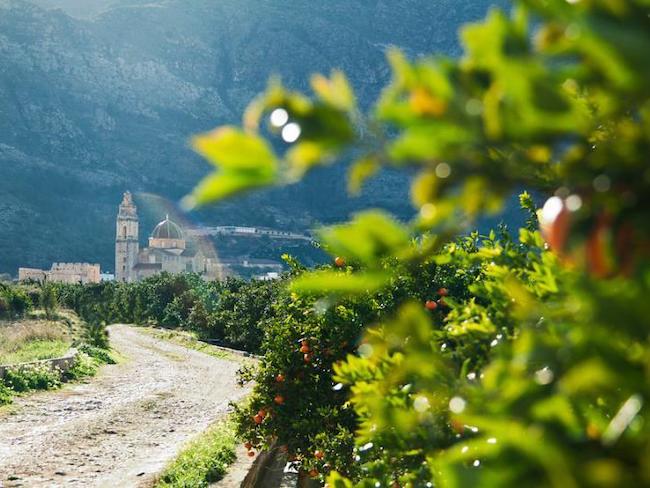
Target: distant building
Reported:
[(107, 277), (238, 231), (168, 250), (62, 273), (270, 276), (251, 268)]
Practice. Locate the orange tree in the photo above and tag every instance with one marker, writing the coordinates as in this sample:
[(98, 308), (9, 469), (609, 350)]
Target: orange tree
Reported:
[(297, 402), (554, 97)]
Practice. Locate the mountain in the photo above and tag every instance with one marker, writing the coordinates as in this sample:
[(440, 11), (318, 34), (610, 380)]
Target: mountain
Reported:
[(100, 96)]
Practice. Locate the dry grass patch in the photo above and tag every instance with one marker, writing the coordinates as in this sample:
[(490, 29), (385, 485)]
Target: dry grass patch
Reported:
[(31, 340)]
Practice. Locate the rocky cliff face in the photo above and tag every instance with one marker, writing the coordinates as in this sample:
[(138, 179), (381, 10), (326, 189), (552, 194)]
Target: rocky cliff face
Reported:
[(99, 96)]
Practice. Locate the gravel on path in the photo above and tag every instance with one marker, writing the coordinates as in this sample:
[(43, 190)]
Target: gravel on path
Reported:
[(120, 428)]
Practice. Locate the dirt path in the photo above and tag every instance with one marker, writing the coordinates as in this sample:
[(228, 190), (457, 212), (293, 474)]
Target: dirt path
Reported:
[(123, 426)]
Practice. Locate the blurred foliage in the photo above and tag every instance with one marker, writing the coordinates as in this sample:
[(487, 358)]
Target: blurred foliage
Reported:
[(532, 368)]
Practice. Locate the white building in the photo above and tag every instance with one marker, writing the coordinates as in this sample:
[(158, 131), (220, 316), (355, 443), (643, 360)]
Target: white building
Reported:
[(168, 249)]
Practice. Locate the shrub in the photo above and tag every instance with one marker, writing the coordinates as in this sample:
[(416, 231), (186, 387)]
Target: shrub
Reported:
[(14, 301), (19, 302), (5, 394), (48, 300), (84, 365), (314, 415), (5, 309), (101, 354), (96, 335), (32, 377)]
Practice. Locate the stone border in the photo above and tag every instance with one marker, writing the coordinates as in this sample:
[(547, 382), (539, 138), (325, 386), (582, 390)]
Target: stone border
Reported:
[(261, 472), (63, 363), (271, 470)]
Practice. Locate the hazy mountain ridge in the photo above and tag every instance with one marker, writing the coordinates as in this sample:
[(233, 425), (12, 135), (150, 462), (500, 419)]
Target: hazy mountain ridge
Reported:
[(89, 108)]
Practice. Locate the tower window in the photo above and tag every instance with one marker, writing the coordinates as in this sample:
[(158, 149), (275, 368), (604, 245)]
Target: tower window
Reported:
[(124, 231)]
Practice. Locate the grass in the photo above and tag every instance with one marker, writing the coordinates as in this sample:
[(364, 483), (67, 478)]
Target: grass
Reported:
[(31, 340), (36, 338), (204, 460), (190, 341), (35, 350)]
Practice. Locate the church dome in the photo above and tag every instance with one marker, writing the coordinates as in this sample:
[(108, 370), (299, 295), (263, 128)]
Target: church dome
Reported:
[(167, 230)]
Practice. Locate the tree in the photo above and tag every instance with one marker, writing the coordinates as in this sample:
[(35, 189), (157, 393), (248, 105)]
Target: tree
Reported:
[(14, 301), (48, 300), (553, 98)]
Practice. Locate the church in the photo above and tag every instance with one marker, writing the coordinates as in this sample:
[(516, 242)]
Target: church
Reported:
[(168, 250)]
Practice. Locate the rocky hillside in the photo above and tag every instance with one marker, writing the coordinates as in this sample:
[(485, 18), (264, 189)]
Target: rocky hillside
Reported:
[(99, 96)]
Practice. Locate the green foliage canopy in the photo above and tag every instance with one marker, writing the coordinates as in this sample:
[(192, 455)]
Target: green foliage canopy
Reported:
[(538, 374)]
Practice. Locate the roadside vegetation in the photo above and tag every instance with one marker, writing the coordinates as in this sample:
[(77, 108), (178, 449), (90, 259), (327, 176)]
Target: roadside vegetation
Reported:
[(27, 340), (204, 460), (29, 334)]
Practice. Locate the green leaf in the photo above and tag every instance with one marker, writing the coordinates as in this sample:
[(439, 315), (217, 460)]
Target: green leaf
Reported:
[(360, 171), (336, 90), (305, 155), (322, 282), (244, 161), (221, 185), (372, 235), (335, 480), (229, 148)]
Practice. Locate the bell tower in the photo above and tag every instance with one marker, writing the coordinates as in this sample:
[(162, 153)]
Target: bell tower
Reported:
[(126, 240)]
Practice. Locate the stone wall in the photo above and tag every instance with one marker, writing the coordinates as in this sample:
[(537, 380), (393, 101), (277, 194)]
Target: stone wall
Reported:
[(63, 363), (63, 273)]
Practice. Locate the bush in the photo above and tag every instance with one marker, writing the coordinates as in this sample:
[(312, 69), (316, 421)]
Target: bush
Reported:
[(84, 365), (293, 400), (101, 354), (32, 377), (14, 301), (5, 394), (469, 311), (96, 335), (5, 309), (48, 300)]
